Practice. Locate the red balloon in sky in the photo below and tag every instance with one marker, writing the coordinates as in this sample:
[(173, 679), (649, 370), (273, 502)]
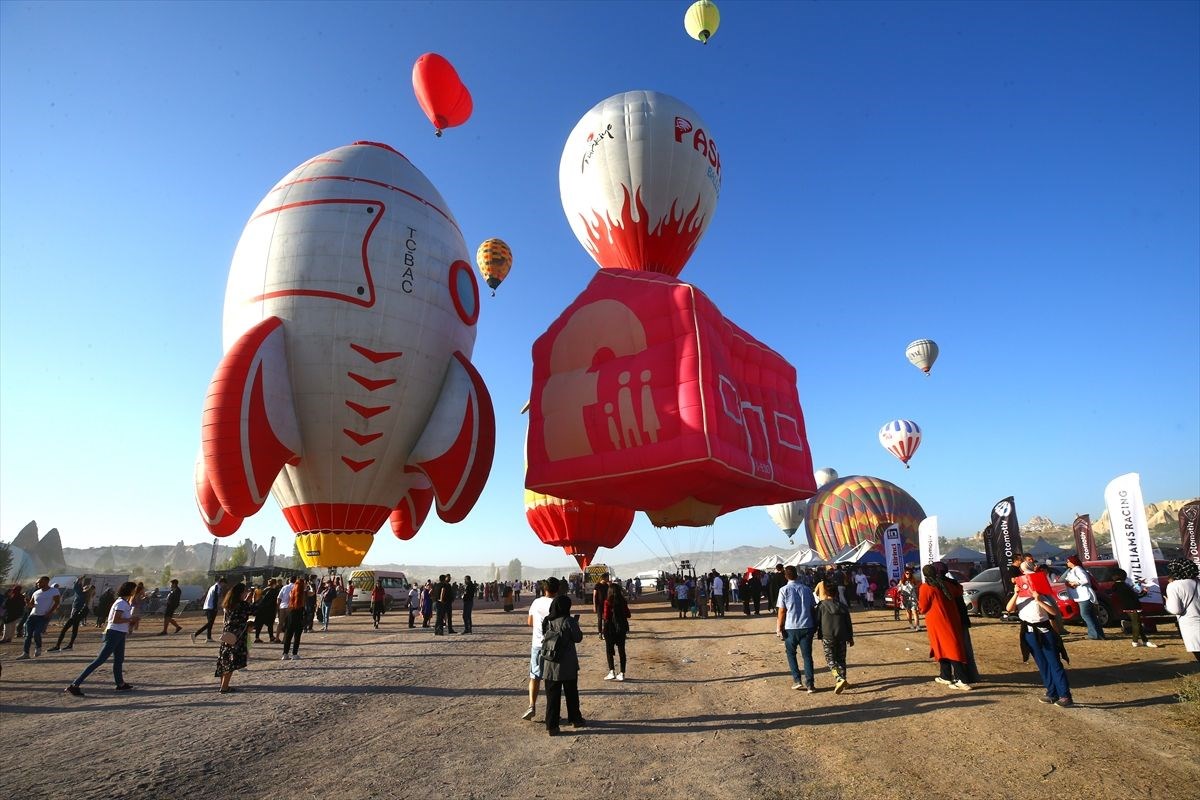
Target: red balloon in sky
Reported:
[(441, 93), (577, 526)]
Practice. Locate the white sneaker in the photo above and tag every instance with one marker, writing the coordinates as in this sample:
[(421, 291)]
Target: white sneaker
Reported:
[(1137, 643), (295, 656), (1147, 644), (285, 657), (620, 676), (943, 681), (961, 685), (611, 674), (797, 686)]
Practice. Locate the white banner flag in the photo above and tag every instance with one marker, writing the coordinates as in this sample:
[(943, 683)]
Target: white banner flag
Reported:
[(1131, 536), (893, 553), (927, 538)]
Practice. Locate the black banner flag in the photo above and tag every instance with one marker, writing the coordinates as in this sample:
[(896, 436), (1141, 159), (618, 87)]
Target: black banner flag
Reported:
[(1005, 534), (1085, 540), (1189, 531)]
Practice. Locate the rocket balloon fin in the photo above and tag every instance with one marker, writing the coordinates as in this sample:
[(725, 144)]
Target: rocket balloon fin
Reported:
[(455, 451), (409, 514), (250, 429), (218, 521)]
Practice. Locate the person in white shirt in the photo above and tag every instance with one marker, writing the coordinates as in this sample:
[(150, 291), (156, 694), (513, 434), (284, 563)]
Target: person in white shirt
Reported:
[(42, 605), (718, 594), (211, 601), (538, 610), (1182, 598), (1080, 582), (862, 585), (119, 618)]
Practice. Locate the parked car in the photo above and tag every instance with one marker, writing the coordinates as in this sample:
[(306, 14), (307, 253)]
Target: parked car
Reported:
[(1102, 580), (986, 594), (891, 597)]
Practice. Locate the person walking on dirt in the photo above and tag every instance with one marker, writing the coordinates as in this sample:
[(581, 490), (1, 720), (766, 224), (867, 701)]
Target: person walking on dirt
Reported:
[(79, 611), (211, 601), (328, 595), (173, 597), (539, 609), (560, 664), (120, 616), (264, 612), (935, 599), (468, 602), (1082, 593), (42, 604), (414, 603), (795, 627), (1127, 599), (718, 594), (1039, 638), (616, 629), (378, 598), (234, 651), (294, 600), (836, 632), (775, 582), (906, 591), (14, 609), (599, 595)]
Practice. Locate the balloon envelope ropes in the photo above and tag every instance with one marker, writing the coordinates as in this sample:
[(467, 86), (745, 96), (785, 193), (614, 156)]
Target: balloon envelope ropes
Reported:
[(848, 510), (921, 354), (577, 526), (440, 92), (346, 389), (639, 179), (901, 438)]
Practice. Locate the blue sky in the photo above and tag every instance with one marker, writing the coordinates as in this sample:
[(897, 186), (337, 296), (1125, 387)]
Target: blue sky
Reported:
[(1018, 181)]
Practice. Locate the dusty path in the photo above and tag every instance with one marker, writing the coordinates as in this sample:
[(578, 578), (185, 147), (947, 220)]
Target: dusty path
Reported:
[(707, 711)]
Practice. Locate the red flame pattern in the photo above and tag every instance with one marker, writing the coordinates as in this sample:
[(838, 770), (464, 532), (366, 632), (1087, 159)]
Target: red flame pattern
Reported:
[(626, 244)]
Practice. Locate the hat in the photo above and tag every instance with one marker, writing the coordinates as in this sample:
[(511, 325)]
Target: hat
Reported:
[(1182, 569)]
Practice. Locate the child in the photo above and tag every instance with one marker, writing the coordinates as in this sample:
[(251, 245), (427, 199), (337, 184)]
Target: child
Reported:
[(1125, 598), (908, 598), (896, 599), (871, 588), (835, 631)]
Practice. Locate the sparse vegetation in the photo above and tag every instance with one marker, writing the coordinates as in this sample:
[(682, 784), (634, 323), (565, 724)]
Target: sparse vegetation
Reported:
[(1189, 700)]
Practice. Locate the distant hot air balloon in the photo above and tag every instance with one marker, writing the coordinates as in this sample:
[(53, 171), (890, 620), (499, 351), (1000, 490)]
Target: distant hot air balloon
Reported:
[(824, 475), (702, 20), (922, 353), (848, 510), (639, 179), (577, 526), (440, 92), (901, 437), (788, 516), (494, 259)]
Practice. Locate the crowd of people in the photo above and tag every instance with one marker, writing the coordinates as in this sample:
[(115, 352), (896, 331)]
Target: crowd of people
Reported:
[(808, 604)]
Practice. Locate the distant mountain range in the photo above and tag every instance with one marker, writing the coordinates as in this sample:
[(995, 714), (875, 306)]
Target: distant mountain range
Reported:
[(45, 555)]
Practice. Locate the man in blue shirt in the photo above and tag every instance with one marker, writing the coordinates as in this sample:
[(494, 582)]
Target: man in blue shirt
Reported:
[(796, 605)]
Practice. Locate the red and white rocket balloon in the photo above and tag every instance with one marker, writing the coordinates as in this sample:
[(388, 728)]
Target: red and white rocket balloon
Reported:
[(346, 389)]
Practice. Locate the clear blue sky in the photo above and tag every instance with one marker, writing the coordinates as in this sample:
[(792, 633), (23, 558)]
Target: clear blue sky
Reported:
[(1019, 181)]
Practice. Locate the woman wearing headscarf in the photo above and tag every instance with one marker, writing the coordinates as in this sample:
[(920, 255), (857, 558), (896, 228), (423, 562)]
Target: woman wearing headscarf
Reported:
[(14, 609), (1039, 638), (964, 618), (560, 663), (935, 601), (234, 649), (1182, 598)]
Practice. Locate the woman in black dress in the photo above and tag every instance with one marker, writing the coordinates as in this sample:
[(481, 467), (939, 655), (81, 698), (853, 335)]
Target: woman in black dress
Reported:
[(234, 650)]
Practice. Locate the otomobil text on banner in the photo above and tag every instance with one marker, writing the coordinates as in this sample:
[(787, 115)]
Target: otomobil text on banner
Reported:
[(1130, 534), (1189, 531), (1005, 531), (893, 552), (927, 540), (1085, 540)]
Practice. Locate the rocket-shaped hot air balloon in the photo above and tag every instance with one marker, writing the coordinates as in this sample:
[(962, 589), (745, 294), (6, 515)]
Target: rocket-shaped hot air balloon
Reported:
[(346, 389)]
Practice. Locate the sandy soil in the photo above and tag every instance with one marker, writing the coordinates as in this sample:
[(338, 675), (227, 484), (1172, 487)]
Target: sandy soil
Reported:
[(708, 711)]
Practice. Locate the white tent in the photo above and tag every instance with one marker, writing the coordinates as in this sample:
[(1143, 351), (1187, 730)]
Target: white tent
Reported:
[(853, 553), (768, 563), (804, 557)]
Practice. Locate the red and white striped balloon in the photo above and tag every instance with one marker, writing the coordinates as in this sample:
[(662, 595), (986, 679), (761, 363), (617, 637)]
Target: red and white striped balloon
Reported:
[(901, 438)]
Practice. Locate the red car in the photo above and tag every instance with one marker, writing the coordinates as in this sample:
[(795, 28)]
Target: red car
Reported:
[(1102, 582)]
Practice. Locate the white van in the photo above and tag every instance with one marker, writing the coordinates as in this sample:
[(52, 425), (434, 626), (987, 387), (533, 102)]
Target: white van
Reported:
[(395, 586)]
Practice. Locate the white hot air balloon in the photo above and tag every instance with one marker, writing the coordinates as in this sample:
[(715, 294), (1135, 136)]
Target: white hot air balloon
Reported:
[(788, 516), (901, 438), (639, 179), (824, 475), (922, 353)]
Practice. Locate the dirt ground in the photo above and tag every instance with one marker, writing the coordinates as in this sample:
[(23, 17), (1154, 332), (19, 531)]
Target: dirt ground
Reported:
[(707, 711)]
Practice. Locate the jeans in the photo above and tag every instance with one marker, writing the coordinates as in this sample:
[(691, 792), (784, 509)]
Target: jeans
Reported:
[(803, 638), (1044, 648), (34, 627), (1087, 611), (325, 609), (114, 645), (554, 692)]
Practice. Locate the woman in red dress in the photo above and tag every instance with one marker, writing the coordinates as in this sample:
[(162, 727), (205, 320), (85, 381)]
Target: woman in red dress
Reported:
[(936, 602)]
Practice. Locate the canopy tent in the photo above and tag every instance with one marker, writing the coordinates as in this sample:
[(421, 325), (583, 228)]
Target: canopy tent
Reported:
[(768, 563), (804, 557), (1041, 550), (854, 553), (964, 554)]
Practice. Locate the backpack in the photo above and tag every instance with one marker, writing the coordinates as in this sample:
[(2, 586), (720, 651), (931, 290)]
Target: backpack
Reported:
[(552, 648)]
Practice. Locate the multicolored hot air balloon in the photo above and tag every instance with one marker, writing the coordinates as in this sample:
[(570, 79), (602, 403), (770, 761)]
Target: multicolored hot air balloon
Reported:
[(824, 475), (851, 509), (346, 389), (577, 526), (494, 259), (440, 92), (788, 516), (901, 438), (922, 353), (639, 180), (702, 20)]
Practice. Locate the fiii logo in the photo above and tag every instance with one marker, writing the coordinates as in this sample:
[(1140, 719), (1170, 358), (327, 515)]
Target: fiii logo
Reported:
[(700, 142), (1002, 509)]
